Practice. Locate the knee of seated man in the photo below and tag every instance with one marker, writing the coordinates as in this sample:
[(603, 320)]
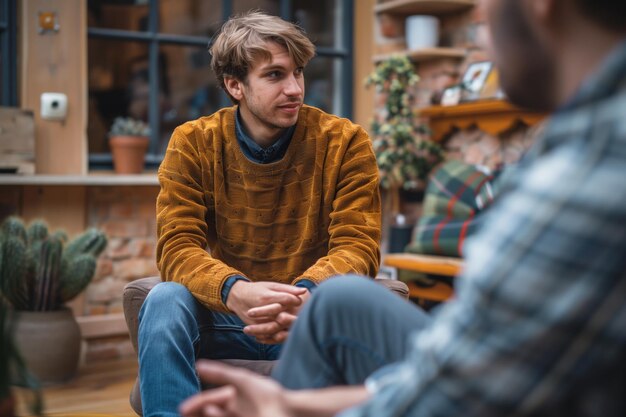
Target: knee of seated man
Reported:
[(166, 296), (344, 293), (166, 290)]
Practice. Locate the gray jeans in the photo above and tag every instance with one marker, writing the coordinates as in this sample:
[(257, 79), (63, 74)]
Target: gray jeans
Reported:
[(349, 328)]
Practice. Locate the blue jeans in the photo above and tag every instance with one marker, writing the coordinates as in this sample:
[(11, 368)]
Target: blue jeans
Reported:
[(174, 331), (348, 329)]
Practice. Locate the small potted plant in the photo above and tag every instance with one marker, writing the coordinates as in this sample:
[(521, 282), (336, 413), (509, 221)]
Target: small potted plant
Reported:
[(129, 139), (39, 273)]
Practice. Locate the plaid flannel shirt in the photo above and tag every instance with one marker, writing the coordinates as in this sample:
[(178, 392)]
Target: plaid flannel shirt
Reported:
[(539, 324)]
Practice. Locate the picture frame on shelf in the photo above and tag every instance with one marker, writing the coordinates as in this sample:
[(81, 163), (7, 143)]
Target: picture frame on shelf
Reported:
[(474, 79), (491, 89)]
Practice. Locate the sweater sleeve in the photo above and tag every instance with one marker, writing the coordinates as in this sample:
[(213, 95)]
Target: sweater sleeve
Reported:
[(181, 226), (355, 219)]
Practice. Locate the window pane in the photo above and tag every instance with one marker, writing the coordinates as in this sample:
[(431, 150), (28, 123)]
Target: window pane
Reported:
[(189, 88), (321, 85), (118, 86), (2, 34), (267, 6), (190, 17), (118, 14), (320, 19), (2, 86)]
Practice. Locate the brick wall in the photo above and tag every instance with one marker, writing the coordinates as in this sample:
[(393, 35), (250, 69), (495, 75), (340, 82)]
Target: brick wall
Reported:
[(477, 147), (128, 216)]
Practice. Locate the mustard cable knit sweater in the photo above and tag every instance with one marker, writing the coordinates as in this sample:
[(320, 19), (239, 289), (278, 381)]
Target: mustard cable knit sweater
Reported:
[(313, 214)]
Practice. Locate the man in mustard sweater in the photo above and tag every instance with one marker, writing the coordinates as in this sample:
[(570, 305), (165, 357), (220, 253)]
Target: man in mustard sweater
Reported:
[(259, 203)]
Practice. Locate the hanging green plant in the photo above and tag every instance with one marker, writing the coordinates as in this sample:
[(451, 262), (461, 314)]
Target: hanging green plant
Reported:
[(404, 153)]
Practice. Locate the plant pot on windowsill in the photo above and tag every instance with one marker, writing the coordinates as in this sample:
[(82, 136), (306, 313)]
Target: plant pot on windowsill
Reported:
[(129, 140), (129, 153)]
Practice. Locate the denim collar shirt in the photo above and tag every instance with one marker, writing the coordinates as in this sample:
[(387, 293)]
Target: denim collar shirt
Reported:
[(258, 154), (538, 325)]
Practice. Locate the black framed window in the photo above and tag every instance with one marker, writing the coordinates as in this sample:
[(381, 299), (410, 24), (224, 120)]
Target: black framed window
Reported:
[(148, 59), (8, 53)]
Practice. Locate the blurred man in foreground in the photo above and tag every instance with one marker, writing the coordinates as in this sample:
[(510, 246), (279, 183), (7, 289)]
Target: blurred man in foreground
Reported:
[(538, 326)]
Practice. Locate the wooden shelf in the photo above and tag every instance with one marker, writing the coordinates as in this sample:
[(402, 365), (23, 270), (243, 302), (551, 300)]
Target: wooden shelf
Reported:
[(439, 292), (426, 54), (426, 264), (491, 116), (429, 7), (104, 179)]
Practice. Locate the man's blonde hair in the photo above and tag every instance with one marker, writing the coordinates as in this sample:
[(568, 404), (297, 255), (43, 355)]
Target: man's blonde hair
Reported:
[(243, 39)]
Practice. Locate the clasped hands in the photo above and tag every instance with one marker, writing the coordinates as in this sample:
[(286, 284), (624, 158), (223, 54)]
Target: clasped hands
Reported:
[(267, 308)]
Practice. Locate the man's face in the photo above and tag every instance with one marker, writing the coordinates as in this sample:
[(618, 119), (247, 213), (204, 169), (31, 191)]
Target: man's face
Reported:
[(272, 93), (526, 65)]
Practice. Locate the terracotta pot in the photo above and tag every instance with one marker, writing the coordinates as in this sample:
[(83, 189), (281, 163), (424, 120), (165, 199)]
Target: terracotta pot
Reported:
[(129, 153), (49, 342)]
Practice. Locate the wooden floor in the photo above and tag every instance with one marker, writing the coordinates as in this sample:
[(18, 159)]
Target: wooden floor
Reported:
[(101, 388)]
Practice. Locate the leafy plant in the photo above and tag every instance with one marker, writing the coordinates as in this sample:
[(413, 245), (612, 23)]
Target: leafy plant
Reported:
[(404, 154), (12, 366), (129, 126), (40, 271)]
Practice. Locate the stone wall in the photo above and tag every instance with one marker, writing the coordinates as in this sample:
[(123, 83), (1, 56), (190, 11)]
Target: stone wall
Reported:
[(477, 147), (128, 217)]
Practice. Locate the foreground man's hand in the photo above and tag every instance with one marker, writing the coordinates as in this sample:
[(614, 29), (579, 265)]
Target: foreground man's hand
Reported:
[(242, 394)]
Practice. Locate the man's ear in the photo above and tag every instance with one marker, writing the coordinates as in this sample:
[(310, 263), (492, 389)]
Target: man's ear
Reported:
[(543, 10), (234, 87), (547, 17)]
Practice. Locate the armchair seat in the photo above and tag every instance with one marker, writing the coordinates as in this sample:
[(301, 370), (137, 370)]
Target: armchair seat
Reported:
[(134, 295)]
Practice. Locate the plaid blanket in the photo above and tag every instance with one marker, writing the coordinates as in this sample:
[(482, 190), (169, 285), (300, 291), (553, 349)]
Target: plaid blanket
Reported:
[(456, 193)]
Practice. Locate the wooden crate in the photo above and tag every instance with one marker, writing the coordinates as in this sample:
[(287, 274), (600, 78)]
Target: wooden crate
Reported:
[(17, 141)]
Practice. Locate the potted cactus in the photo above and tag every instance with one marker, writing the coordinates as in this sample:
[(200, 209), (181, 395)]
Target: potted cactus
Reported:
[(128, 139), (11, 363), (39, 273)]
